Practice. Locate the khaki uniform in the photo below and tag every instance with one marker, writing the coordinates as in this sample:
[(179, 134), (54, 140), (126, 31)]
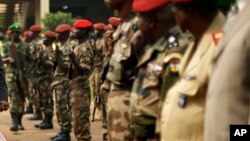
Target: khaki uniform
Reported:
[(44, 79), (159, 60), (121, 66), (80, 91), (183, 109), (60, 86), (228, 100)]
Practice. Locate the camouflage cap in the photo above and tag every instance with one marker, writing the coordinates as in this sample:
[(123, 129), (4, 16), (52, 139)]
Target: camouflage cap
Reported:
[(15, 26)]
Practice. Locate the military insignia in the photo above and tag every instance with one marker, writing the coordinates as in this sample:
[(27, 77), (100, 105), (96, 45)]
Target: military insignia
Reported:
[(182, 101), (172, 41), (174, 65), (217, 36)]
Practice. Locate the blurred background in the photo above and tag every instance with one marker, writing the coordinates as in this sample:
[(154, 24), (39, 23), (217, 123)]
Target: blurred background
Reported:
[(42, 12)]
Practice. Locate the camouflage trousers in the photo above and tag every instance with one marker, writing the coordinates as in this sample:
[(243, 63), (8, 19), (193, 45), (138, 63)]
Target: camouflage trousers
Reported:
[(33, 94), (16, 96), (63, 107), (46, 97), (80, 100), (118, 115)]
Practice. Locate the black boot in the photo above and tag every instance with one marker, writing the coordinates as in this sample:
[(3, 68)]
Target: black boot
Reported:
[(64, 136), (48, 122), (28, 109), (14, 125), (57, 135), (36, 116), (38, 125), (20, 125)]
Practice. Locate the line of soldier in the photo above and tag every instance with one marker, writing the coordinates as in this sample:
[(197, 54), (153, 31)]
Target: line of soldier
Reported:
[(154, 68)]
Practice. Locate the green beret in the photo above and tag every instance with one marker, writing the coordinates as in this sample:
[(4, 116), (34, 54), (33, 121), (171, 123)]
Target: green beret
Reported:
[(225, 2), (15, 26)]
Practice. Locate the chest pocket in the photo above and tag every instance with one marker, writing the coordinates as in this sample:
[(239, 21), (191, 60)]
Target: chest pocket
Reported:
[(117, 69), (153, 72)]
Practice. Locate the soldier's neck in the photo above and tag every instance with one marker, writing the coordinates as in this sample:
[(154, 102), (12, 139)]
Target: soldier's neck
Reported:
[(81, 40)]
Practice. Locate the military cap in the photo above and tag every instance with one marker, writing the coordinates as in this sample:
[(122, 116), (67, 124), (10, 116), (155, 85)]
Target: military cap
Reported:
[(26, 33), (99, 26), (15, 26), (82, 24), (35, 28), (63, 28), (106, 27), (141, 6), (115, 21), (50, 34)]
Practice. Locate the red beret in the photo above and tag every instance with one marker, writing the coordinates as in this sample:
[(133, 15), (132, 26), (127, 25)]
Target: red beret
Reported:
[(63, 28), (115, 21), (50, 34), (181, 1), (99, 26), (82, 23), (35, 28), (26, 33), (148, 5), (106, 27)]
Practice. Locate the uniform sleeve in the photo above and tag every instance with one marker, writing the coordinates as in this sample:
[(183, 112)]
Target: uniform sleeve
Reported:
[(65, 59), (3, 87), (50, 59), (86, 60)]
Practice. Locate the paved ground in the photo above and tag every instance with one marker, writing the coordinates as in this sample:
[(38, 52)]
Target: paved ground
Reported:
[(32, 134)]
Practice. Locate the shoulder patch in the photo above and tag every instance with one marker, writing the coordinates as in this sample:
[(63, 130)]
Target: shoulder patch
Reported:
[(217, 36)]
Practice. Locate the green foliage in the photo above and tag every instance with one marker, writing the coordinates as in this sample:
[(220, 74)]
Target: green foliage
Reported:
[(52, 20)]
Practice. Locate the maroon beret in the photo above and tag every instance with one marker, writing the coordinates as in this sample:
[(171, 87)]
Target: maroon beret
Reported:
[(63, 28), (35, 28), (99, 26), (50, 34), (115, 21)]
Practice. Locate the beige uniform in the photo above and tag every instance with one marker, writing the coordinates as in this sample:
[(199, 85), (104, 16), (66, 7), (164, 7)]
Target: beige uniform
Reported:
[(183, 109)]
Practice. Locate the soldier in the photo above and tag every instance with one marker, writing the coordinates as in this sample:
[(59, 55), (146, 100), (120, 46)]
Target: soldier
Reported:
[(35, 46), (98, 62), (60, 84), (4, 105), (14, 56), (120, 72), (44, 79), (227, 101), (159, 57), (183, 108), (105, 87), (82, 64)]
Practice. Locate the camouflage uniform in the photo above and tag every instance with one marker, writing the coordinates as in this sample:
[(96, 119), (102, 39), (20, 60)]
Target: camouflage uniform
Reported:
[(44, 80), (34, 49), (159, 61), (120, 74), (60, 86), (80, 92), (15, 80)]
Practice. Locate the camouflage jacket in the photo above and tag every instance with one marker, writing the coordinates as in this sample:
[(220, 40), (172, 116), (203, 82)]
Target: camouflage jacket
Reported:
[(61, 73), (123, 59), (46, 63), (99, 54), (20, 53), (159, 61), (85, 58)]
